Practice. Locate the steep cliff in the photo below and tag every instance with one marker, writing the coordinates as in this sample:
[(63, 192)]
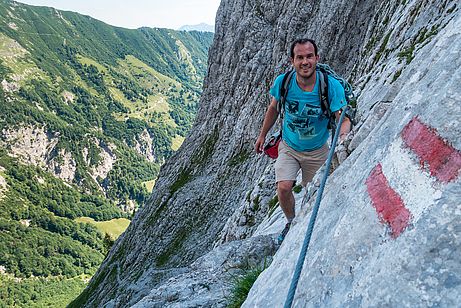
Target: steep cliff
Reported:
[(403, 58)]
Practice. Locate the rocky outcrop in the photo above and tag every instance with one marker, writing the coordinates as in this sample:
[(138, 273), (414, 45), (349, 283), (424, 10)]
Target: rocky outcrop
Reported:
[(68, 96), (403, 58), (9, 86), (36, 146), (143, 145), (32, 145), (207, 281), (63, 166), (107, 158), (3, 184)]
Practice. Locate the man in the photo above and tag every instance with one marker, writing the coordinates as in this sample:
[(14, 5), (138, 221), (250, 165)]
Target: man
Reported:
[(304, 128)]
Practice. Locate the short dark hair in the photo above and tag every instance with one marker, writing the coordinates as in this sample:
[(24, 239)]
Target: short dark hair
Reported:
[(302, 41)]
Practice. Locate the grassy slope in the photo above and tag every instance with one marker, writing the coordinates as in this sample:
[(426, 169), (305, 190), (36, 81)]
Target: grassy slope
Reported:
[(113, 227)]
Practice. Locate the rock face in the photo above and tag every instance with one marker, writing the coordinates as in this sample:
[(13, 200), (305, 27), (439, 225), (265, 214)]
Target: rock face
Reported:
[(388, 229), (31, 144), (206, 282), (144, 145)]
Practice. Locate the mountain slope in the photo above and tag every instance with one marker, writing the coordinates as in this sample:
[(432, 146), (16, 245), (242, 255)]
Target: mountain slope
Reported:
[(88, 113), (136, 86)]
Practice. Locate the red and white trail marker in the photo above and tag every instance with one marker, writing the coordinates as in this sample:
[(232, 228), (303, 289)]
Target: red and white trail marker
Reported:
[(407, 180), (443, 161), (387, 201)]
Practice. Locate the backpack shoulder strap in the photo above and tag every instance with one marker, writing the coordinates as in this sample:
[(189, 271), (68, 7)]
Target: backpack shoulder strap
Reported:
[(324, 100), (283, 91), (348, 91), (323, 92)]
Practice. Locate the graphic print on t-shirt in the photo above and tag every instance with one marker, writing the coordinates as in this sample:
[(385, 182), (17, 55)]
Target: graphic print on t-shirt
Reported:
[(300, 121)]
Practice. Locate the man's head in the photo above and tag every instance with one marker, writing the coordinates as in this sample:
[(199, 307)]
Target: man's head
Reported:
[(304, 57), (302, 41)]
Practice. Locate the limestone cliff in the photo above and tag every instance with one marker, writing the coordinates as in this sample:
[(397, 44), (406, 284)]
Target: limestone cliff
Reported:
[(403, 57)]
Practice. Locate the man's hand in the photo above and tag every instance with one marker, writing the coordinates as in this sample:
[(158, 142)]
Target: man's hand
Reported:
[(259, 144)]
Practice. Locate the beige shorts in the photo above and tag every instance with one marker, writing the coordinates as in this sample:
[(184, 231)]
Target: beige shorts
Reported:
[(290, 161)]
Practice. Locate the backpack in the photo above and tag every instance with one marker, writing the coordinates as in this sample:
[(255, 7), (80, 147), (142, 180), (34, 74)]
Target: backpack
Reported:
[(324, 71)]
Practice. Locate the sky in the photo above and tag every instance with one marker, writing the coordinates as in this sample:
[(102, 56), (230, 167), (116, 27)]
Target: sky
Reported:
[(132, 14)]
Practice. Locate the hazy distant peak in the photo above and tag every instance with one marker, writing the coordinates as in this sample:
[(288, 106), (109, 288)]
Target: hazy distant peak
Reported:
[(200, 27)]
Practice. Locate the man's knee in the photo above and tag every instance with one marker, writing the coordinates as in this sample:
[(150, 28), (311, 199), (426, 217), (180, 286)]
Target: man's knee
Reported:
[(285, 187)]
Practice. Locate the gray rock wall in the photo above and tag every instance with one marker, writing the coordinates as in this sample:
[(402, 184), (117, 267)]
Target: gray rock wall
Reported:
[(404, 58)]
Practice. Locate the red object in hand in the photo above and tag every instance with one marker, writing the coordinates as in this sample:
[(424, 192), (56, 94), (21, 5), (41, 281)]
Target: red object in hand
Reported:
[(272, 147)]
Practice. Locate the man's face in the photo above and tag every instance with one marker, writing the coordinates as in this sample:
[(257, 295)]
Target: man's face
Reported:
[(304, 60)]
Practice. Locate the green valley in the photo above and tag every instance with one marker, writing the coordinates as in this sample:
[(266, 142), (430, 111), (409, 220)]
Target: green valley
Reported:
[(88, 113)]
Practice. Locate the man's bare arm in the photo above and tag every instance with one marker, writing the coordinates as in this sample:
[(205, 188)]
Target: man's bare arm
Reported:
[(345, 126), (269, 120)]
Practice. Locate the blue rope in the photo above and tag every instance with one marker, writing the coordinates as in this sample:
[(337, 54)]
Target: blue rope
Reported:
[(315, 210)]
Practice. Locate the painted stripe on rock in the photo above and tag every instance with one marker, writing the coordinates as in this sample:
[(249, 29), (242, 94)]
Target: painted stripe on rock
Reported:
[(387, 202), (443, 160), (418, 189)]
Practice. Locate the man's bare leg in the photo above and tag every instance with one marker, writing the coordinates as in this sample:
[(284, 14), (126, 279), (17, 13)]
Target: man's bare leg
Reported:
[(286, 199)]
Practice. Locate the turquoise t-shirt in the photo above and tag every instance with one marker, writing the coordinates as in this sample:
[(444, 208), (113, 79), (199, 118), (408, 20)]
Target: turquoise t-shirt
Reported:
[(304, 124)]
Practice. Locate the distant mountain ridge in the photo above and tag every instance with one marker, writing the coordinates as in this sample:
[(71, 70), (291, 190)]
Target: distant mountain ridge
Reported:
[(202, 27)]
